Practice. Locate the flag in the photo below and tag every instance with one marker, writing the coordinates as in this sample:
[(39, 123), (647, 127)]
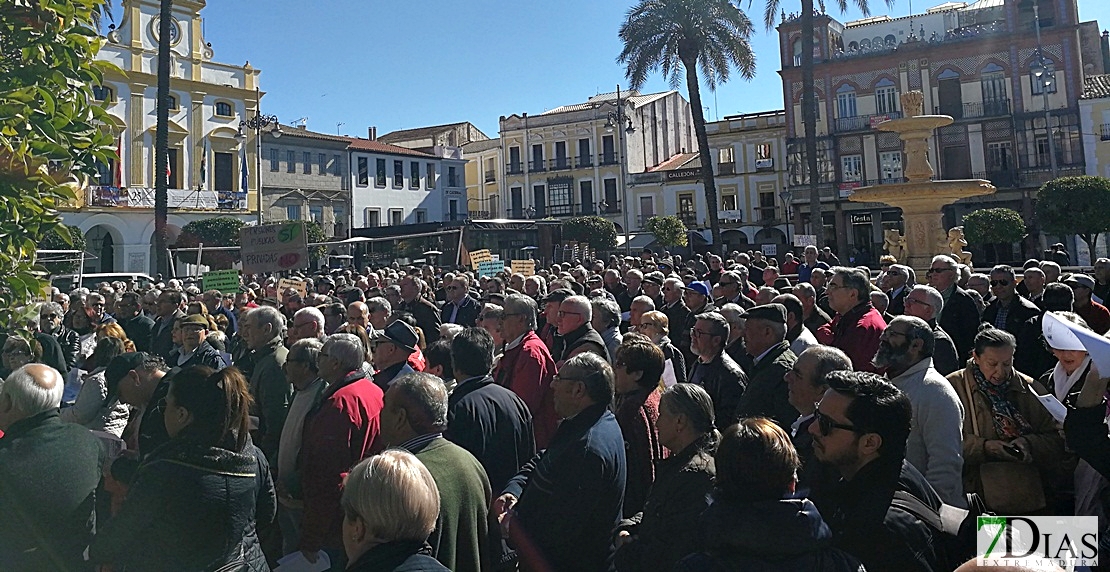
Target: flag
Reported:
[(243, 173), (117, 176), (169, 169), (204, 166)]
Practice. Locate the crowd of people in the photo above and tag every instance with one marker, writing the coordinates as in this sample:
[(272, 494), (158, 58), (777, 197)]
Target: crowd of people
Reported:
[(635, 413)]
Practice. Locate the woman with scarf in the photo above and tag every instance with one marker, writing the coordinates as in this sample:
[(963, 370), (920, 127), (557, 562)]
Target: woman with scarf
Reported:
[(196, 500), (1011, 443)]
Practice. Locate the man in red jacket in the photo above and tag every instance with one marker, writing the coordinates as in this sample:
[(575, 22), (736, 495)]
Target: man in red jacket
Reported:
[(857, 326), (338, 433), (527, 366)]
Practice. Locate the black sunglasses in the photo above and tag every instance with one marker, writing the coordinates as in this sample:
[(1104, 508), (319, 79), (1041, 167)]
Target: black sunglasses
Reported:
[(1000, 282), (826, 424)]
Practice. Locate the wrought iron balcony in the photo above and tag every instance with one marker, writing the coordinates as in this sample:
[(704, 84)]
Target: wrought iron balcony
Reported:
[(560, 163), (975, 110), (689, 218), (535, 166), (607, 159), (583, 161), (862, 122), (491, 176), (1105, 132), (514, 168), (606, 209)]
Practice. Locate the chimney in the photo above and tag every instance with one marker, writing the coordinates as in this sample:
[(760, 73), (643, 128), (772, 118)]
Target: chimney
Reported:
[(1105, 52), (303, 127), (372, 133)]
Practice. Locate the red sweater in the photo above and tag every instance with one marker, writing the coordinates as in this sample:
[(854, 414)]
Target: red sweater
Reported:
[(637, 415), (527, 370), (857, 334), (338, 434)]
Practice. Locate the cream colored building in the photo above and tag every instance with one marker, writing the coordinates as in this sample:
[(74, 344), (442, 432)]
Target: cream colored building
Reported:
[(1094, 120), (485, 174), (206, 159)]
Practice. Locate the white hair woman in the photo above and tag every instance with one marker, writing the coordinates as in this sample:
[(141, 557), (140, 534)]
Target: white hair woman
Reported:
[(390, 505)]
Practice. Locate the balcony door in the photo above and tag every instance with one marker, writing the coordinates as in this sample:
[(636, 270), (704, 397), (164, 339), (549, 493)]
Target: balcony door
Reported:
[(957, 162), (586, 196), (539, 200), (224, 173), (951, 97), (516, 202)]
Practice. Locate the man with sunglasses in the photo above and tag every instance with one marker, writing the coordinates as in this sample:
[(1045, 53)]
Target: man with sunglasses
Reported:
[(459, 307), (50, 323), (1008, 311), (960, 317), (714, 370), (861, 427)]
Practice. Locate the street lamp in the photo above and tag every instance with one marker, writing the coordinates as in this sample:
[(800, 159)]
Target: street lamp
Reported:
[(257, 124), (614, 119), (1042, 70)]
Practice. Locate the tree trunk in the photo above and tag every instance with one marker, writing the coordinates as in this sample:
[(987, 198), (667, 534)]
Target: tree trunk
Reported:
[(809, 123), (161, 140), (1092, 241), (690, 63)]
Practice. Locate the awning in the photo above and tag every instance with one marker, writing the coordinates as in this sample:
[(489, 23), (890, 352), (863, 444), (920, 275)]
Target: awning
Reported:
[(638, 241)]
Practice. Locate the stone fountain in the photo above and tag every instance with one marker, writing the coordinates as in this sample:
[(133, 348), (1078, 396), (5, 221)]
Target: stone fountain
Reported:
[(921, 198)]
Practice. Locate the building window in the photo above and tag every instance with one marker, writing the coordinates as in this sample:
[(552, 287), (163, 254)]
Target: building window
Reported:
[(728, 202), (431, 173), (379, 173), (1038, 83), (726, 160), (890, 162), (763, 151), (316, 214), (585, 159), (886, 100), (363, 172), (103, 93), (396, 217), (767, 206), (337, 165), (293, 212), (608, 150), (1043, 151), (275, 159), (1000, 157), (307, 162), (372, 218), (172, 101), (993, 84), (322, 164), (686, 209), (223, 109), (414, 175), (537, 159), (491, 170), (851, 168), (452, 177), (290, 161), (453, 210), (846, 102), (514, 161), (398, 174), (421, 215)]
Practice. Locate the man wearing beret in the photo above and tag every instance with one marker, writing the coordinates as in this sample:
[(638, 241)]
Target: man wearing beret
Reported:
[(195, 349), (768, 359)]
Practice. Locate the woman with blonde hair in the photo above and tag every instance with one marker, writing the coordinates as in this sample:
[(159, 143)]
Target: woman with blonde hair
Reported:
[(114, 330), (97, 407), (390, 505), (656, 325)]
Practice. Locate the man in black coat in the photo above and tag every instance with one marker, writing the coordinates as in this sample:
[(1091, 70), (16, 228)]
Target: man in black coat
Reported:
[(69, 341), (716, 372), (171, 305), (139, 328), (925, 302), (806, 384), (488, 420), (1008, 311), (49, 472), (195, 348), (424, 311), (895, 284), (678, 314), (142, 382), (460, 308), (559, 512), (960, 317), (767, 362)]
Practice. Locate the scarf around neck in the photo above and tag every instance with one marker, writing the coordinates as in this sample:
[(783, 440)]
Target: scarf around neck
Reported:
[(1008, 421)]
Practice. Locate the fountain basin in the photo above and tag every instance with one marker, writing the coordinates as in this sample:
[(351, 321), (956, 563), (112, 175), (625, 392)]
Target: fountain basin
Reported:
[(916, 123)]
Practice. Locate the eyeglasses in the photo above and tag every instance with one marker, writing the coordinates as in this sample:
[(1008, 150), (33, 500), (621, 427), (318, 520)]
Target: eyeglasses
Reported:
[(912, 301), (932, 271), (833, 286), (696, 333), (505, 315), (562, 313), (1000, 282), (826, 424)]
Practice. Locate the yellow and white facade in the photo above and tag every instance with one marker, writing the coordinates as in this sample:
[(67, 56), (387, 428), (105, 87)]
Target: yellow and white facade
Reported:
[(1094, 121)]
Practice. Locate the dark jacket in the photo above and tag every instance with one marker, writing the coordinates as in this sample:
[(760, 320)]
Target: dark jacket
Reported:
[(467, 315), (139, 330), (666, 530), (678, 361), (49, 472), (461, 536), (205, 355), (152, 426), (725, 382), (677, 316), (897, 305), (585, 335), (1034, 359), (399, 556), (815, 477), (554, 525), (427, 317), (71, 345), (207, 499), (272, 395), (945, 359), (161, 342), (1021, 310), (778, 535), (52, 354), (1085, 433), (867, 526), (766, 394), (961, 320), (494, 424)]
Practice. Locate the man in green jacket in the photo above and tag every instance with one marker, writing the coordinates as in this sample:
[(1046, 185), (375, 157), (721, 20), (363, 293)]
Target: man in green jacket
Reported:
[(264, 331), (413, 418)]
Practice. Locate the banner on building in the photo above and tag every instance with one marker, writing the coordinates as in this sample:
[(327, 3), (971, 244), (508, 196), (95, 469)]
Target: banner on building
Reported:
[(273, 247), (226, 281)]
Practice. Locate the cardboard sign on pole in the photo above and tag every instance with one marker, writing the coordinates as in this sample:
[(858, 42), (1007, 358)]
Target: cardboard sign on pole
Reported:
[(226, 281), (273, 247), (298, 285), (525, 267), (479, 256)]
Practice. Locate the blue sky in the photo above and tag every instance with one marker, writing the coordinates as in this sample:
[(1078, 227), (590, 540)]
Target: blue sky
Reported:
[(402, 64)]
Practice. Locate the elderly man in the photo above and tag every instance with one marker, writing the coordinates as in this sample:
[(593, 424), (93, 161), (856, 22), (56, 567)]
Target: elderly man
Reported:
[(575, 334), (392, 348), (697, 298), (606, 320), (213, 300), (1096, 315), (551, 303), (734, 345), (960, 317), (425, 312), (857, 325), (935, 445), (766, 363), (805, 384), (926, 303), (678, 314), (813, 317), (171, 306), (526, 367), (1032, 285), (490, 421), (560, 510), (797, 335), (1007, 311), (303, 373), (308, 323), (263, 329), (460, 308), (733, 290), (805, 269), (633, 280), (50, 323), (380, 310), (894, 283), (358, 314), (413, 418), (143, 384), (338, 432), (49, 472), (721, 377), (636, 310), (139, 328), (195, 349)]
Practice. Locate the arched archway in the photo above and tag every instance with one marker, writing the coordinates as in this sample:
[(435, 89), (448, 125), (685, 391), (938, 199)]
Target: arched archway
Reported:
[(101, 243), (734, 239), (770, 235)]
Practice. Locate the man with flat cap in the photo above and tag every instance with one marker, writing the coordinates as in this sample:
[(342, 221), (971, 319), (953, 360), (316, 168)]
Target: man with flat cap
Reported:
[(550, 315), (768, 359), (392, 348)]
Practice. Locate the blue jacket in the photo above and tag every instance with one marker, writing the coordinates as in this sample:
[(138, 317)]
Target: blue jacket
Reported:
[(571, 496)]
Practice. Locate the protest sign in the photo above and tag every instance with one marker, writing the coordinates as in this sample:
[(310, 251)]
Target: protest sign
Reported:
[(226, 281), (273, 247)]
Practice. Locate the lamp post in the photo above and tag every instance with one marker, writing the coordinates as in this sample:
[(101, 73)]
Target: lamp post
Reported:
[(257, 124), (613, 120), (1044, 73)]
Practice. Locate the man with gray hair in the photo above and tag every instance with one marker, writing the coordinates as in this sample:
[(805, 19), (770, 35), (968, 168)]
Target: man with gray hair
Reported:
[(380, 310), (806, 386), (960, 317), (526, 367), (575, 333), (606, 321), (717, 373), (935, 445), (413, 418), (812, 315), (301, 371), (49, 472), (263, 329), (895, 283), (341, 431), (858, 325), (308, 323), (926, 303)]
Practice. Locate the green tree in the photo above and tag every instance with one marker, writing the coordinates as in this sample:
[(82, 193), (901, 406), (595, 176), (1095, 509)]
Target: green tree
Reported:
[(809, 103), (72, 239), (598, 232), (52, 131), (213, 232), (677, 37), (1075, 205), (993, 227), (668, 230), (315, 233)]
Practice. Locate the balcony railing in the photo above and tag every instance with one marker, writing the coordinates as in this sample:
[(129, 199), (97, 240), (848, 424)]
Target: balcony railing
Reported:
[(560, 163), (726, 168), (1003, 179), (491, 176), (478, 214), (690, 219), (584, 161), (607, 209), (862, 122), (514, 168), (641, 220), (975, 110), (1037, 176), (535, 166), (143, 198), (607, 159), (1105, 132)]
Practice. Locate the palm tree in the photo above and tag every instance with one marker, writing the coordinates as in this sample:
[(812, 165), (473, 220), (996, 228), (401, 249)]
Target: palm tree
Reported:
[(809, 106), (161, 140), (676, 36)]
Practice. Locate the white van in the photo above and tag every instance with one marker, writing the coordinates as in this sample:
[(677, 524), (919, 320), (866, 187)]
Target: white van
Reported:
[(68, 282)]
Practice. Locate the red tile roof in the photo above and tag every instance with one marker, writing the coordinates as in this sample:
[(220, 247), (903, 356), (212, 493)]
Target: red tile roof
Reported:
[(359, 144), (676, 162)]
